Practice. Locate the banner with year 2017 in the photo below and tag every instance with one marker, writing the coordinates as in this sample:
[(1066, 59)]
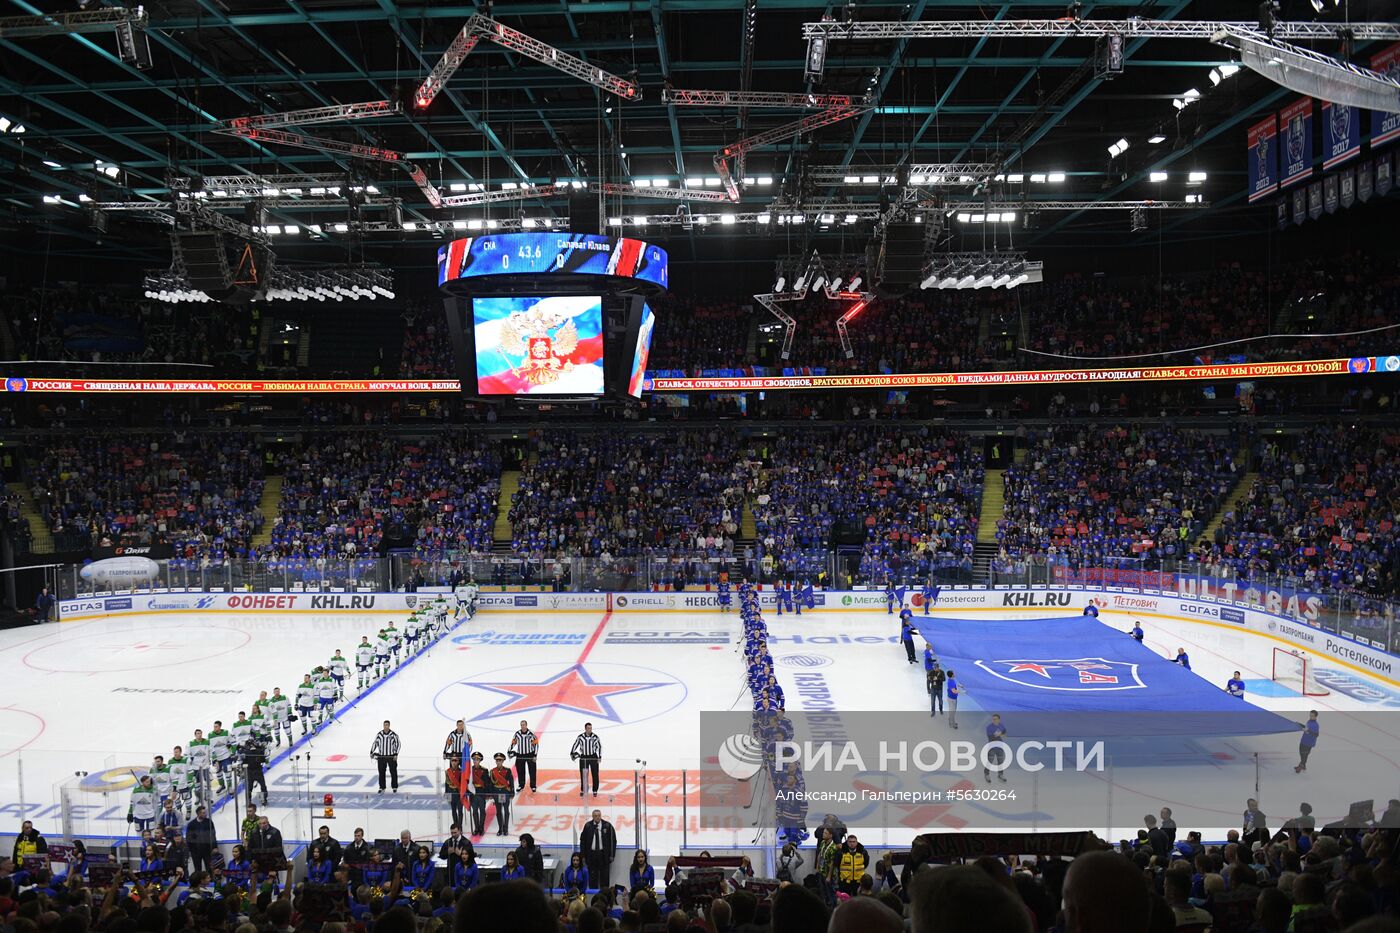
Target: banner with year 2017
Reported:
[(1263, 158), (1385, 125), (1341, 133)]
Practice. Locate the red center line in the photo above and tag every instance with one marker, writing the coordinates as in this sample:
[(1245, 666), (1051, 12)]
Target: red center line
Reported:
[(583, 656)]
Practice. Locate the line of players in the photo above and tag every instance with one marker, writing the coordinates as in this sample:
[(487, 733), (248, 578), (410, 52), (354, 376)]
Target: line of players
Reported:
[(770, 722), (787, 595), (210, 768)]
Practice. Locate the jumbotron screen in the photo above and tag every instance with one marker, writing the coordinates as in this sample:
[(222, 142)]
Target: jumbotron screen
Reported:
[(542, 345), (640, 355), (552, 253)]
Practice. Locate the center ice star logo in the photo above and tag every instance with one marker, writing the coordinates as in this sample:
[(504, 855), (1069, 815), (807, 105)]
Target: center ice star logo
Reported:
[(572, 689), (1075, 674)]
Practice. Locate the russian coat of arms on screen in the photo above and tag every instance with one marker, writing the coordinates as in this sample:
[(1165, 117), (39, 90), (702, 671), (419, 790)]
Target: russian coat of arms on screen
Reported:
[(538, 343)]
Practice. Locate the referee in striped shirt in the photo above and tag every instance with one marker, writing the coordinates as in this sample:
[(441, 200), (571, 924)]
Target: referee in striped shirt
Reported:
[(385, 750), (524, 747), (587, 751)]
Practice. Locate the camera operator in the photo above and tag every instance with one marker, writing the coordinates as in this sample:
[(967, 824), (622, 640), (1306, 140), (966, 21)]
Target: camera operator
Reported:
[(254, 755)]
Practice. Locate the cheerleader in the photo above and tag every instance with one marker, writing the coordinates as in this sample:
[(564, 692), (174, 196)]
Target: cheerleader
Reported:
[(641, 876), (512, 869), (576, 875), (319, 869), (467, 874), (420, 873)]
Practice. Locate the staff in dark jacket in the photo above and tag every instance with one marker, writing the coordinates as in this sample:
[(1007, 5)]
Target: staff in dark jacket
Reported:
[(328, 846), (455, 848), (598, 843), (202, 838), (530, 857), (356, 855), (405, 851)]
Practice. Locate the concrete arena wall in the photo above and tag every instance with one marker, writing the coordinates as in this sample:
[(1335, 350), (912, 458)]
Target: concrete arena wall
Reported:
[(1284, 630)]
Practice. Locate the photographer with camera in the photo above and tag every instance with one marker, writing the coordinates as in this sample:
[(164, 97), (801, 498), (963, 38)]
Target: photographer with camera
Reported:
[(254, 754)]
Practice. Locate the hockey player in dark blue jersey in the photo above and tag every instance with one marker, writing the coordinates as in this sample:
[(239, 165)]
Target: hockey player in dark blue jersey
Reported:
[(929, 594)]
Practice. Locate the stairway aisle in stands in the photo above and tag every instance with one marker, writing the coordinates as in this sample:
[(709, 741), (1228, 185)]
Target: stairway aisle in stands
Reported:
[(1242, 487), (268, 506), (993, 511), (41, 540), (510, 485)]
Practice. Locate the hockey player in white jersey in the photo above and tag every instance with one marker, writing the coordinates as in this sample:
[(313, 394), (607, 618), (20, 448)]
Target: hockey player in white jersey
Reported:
[(306, 702), (466, 595), (364, 662), (279, 714), (340, 669)]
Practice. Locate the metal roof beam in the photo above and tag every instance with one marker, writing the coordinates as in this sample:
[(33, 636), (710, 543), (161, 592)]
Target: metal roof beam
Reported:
[(659, 29), (884, 81), (82, 21), (545, 8), (375, 85), (1082, 29), (395, 20), (953, 85), (545, 78)]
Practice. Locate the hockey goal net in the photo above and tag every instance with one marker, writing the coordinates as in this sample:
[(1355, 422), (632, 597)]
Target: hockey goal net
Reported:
[(1294, 670)]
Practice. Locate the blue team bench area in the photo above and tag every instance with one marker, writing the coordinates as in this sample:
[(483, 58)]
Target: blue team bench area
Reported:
[(1077, 664)]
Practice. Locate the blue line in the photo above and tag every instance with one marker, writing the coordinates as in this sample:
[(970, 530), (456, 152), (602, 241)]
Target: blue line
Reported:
[(335, 716)]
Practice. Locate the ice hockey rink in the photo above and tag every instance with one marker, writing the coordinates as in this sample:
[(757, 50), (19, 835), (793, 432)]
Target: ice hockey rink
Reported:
[(642, 679)]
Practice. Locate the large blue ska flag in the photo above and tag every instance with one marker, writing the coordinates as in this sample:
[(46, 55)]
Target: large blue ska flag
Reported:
[(1079, 664), (1341, 133), (1295, 126), (1385, 125), (1263, 158)]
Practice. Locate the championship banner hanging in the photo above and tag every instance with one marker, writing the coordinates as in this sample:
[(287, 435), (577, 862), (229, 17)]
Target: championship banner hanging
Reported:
[(1365, 181), (1341, 133), (1263, 158), (1385, 174), (1297, 146), (1385, 125)]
